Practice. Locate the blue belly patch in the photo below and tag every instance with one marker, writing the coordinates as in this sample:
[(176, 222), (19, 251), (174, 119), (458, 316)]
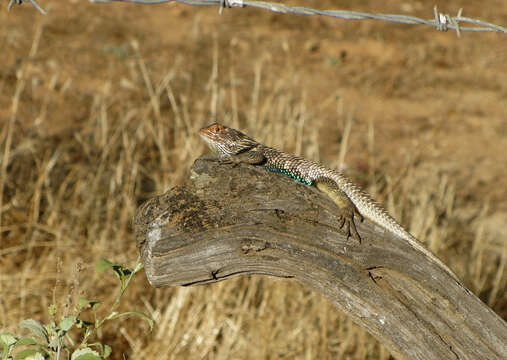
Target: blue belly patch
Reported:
[(289, 173)]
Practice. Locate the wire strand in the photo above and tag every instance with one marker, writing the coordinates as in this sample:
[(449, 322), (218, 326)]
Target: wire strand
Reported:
[(440, 21)]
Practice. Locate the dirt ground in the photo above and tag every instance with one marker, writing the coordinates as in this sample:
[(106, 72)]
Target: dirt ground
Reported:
[(100, 107)]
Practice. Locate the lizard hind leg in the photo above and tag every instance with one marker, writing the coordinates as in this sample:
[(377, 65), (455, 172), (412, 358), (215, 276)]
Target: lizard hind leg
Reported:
[(347, 209)]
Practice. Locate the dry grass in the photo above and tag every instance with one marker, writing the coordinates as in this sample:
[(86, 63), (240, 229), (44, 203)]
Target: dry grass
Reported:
[(99, 110)]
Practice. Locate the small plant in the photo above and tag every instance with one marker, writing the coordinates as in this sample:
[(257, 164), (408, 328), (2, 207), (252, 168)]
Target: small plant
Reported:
[(52, 340)]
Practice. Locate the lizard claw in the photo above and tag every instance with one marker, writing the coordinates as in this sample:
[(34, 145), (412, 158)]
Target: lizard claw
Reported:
[(346, 218)]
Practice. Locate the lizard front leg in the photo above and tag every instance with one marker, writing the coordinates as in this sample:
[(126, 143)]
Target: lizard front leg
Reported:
[(252, 157), (347, 209)]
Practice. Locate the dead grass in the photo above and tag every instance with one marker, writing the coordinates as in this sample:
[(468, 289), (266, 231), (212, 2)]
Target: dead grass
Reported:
[(99, 110)]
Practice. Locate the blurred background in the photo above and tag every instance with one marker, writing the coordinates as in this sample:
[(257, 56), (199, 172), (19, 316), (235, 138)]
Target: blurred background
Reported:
[(100, 106)]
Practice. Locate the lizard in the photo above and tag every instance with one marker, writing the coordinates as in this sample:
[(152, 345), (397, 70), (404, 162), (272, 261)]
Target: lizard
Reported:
[(233, 146)]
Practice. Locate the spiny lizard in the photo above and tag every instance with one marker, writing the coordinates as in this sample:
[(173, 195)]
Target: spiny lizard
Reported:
[(232, 146)]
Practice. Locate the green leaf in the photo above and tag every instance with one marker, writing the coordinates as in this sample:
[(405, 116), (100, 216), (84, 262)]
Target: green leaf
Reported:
[(36, 328), (121, 272), (103, 264), (150, 321), (26, 341), (85, 354), (83, 303), (7, 339), (26, 353), (5, 350), (67, 323), (106, 351)]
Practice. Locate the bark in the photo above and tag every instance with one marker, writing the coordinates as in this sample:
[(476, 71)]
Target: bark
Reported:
[(239, 220)]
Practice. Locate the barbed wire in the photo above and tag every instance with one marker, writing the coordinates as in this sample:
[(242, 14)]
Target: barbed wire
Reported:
[(440, 21)]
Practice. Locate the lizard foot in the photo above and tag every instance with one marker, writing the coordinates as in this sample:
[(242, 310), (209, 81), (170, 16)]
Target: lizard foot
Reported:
[(346, 217), (347, 210), (229, 160)]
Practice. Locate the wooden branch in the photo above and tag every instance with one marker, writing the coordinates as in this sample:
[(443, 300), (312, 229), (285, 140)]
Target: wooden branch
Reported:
[(229, 221)]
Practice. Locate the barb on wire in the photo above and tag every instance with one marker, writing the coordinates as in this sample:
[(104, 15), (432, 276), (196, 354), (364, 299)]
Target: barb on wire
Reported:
[(441, 22), (19, 2)]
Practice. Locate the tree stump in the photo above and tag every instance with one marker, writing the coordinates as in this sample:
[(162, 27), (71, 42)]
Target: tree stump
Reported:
[(239, 220)]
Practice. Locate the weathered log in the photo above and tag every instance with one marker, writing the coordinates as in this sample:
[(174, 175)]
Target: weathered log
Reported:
[(234, 220)]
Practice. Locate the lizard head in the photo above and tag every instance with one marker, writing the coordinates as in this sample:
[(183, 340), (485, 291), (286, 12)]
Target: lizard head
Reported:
[(223, 140)]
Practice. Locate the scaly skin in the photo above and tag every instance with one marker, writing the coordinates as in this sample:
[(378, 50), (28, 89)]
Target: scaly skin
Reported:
[(231, 145)]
